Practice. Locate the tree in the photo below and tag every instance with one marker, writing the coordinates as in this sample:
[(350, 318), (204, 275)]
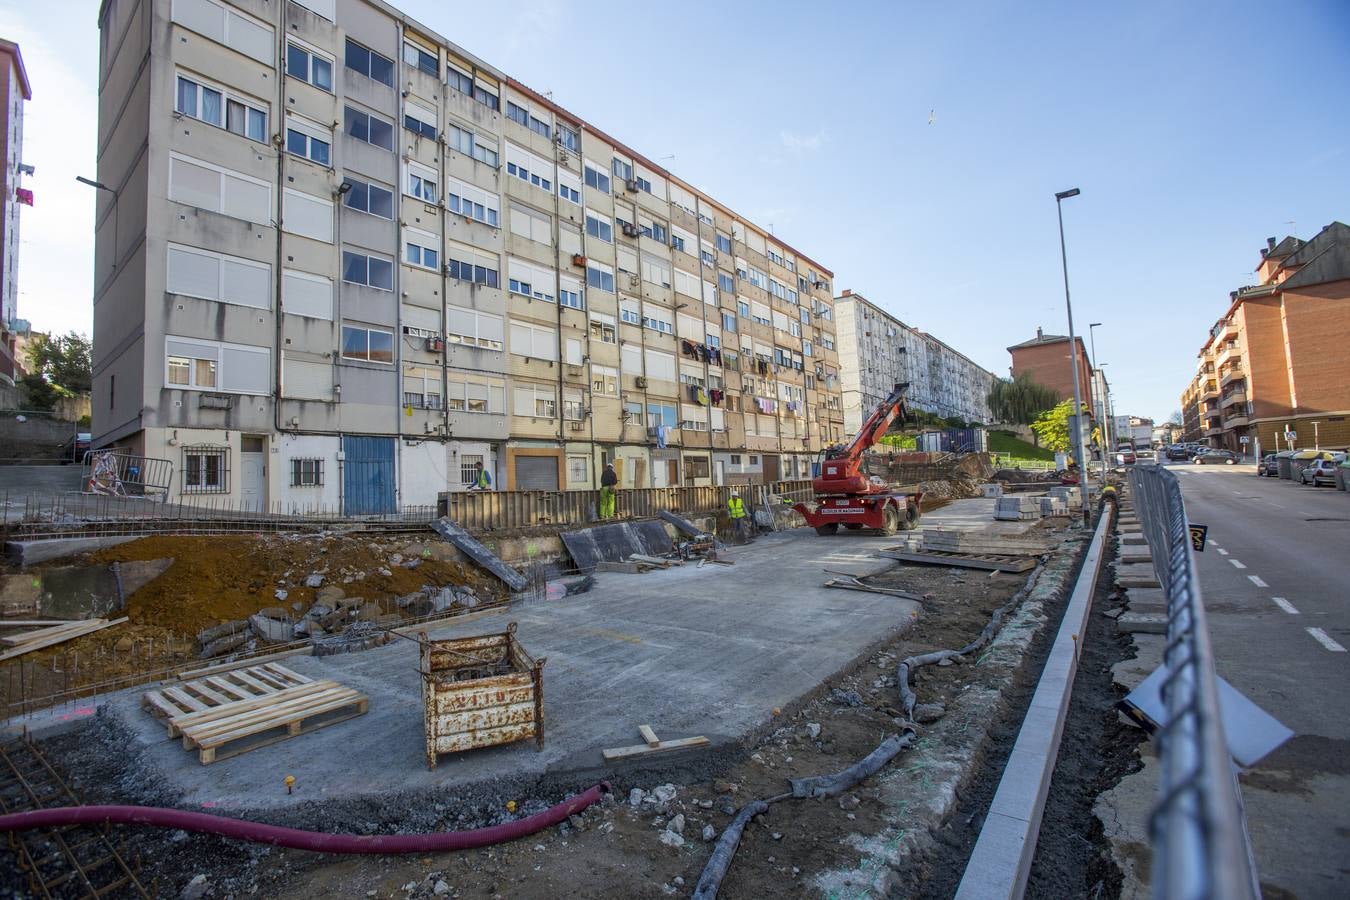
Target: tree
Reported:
[(1052, 427), (1176, 419), (61, 362), (1019, 401)]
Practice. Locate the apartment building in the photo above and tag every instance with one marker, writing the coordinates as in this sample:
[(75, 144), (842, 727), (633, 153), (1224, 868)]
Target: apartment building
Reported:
[(14, 92), (878, 351), (346, 262), (1273, 371), (1049, 362)]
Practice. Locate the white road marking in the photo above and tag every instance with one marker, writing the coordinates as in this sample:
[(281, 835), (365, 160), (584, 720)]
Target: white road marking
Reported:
[(1325, 640), (1277, 505), (1285, 605), (1256, 580), (1222, 552), (1236, 564)]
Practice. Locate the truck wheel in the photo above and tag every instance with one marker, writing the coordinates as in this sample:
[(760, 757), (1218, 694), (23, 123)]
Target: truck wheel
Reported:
[(827, 529), (890, 521), (912, 516)]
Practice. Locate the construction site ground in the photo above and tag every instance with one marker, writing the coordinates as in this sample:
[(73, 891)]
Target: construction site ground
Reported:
[(785, 677)]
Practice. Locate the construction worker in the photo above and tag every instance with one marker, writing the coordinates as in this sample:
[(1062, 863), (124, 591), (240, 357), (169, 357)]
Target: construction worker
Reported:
[(482, 481), (739, 524), (609, 480)]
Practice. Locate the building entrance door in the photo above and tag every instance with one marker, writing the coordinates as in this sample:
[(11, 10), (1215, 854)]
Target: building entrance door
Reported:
[(253, 474)]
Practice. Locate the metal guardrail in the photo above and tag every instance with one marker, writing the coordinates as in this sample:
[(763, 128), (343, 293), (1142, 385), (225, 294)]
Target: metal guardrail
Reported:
[(1008, 461), (1198, 826)]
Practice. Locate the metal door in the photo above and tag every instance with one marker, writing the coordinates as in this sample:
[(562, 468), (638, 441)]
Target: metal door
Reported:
[(770, 469), (368, 486), (536, 473), (253, 481)]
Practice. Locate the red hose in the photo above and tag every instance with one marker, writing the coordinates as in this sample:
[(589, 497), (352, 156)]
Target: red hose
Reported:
[(295, 838)]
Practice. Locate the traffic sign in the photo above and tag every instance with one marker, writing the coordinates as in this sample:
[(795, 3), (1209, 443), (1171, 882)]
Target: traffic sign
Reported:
[(1291, 435), (1198, 535), (1244, 440)]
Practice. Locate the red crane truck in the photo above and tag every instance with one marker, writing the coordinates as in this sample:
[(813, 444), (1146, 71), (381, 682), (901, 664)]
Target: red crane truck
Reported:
[(846, 496)]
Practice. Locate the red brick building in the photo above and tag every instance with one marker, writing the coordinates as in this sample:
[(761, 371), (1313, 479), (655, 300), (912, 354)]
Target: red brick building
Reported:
[(1046, 357), (1277, 360)]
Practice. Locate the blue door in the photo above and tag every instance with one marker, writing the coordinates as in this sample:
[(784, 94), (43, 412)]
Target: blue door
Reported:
[(368, 476)]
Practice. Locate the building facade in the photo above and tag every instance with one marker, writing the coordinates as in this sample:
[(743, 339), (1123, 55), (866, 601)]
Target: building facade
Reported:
[(15, 91), (878, 351), (1046, 358), (1273, 372), (346, 262)]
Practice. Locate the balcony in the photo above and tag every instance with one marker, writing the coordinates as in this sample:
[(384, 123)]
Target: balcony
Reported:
[(1238, 395), (1214, 431), (1225, 352), (1237, 420), (1209, 390), (1235, 372)]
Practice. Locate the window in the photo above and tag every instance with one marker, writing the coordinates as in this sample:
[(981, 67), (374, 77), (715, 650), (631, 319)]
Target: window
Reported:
[(308, 140), (369, 198), (570, 294), (602, 329), (677, 242), (758, 278), (205, 470), (459, 80), (662, 414), (421, 183), (522, 116), (472, 202), (806, 348), (535, 341), (303, 294), (367, 62), (419, 119), (223, 25), (198, 100), (187, 371), (473, 328), (632, 413), (309, 66), (371, 271), (534, 400), (723, 242), (419, 249), (657, 232), (306, 472), (599, 227), (578, 469), (569, 138), (776, 257), (419, 58), (628, 312), (475, 394), (192, 364), (742, 308), (728, 321), (485, 96), (369, 128), (216, 276), (827, 341), (604, 380), (422, 387), (367, 344), (760, 313), (804, 314), (569, 186), (725, 282), (467, 265), (656, 271), (531, 224), (305, 215), (529, 280), (622, 170), (686, 283), (529, 168), (795, 329), (464, 141), (599, 275), (659, 365), (657, 318), (211, 187), (596, 179), (468, 467)]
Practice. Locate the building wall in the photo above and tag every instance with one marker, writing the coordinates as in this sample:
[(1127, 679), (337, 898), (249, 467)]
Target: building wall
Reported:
[(439, 355), (1049, 365), (13, 93)]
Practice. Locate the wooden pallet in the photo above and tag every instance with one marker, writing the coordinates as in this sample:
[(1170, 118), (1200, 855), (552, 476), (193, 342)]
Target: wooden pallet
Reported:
[(214, 691), (988, 562), (245, 725)]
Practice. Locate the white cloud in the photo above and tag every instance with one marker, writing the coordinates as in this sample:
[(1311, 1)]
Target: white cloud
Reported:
[(802, 143)]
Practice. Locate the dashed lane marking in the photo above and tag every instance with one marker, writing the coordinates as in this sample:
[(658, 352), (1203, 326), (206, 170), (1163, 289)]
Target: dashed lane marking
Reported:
[(1256, 580), (1285, 605), (1236, 564), (1325, 640), (1222, 552)]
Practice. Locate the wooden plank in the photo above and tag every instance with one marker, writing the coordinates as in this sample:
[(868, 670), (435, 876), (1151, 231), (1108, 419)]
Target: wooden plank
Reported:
[(209, 755), (662, 747), (962, 561), (235, 726), (243, 707), (306, 650), (289, 675), (648, 735), (236, 692), (200, 689), (890, 592), (27, 637), (24, 623), (94, 625), (246, 676), (185, 700)]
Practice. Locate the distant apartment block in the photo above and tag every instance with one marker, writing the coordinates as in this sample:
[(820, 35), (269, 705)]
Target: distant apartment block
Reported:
[(878, 351), (1274, 365), (14, 92), (1048, 360), (353, 261)]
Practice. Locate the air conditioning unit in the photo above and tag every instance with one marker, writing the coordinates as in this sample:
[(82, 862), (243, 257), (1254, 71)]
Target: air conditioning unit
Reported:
[(641, 381), (435, 344), (578, 426), (632, 185), (630, 230), (574, 371), (634, 280), (578, 260)]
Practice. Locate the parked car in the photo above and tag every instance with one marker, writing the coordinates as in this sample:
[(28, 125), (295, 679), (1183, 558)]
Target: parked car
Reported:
[(1125, 456), (1179, 452), (1267, 466), (1321, 471), (1216, 457), (1145, 455), (75, 448)]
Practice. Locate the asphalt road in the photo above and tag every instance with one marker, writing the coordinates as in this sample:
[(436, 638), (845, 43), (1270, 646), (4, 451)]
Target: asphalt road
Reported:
[(1276, 583)]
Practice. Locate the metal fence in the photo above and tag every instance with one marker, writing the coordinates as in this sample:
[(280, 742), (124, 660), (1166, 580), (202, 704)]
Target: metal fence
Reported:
[(1198, 827), (482, 510)]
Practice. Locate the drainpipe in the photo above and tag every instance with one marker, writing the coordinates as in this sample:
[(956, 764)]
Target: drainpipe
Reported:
[(280, 123)]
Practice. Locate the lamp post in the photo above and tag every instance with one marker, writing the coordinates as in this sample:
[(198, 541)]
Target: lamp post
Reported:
[(103, 187), (1079, 450), (1099, 404)]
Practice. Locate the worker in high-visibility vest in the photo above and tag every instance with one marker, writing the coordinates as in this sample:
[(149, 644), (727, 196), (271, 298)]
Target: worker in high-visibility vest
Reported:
[(609, 483), (739, 524)]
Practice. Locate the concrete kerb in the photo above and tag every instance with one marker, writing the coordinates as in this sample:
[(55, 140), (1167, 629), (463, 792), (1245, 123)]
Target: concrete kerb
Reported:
[(1001, 861), (923, 787)]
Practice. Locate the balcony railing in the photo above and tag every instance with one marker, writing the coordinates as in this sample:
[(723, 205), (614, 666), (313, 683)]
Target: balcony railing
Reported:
[(1209, 390), (1235, 396), (1237, 420), (1233, 373)]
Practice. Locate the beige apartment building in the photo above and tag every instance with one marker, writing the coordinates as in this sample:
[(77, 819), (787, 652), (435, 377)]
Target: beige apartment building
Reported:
[(341, 262)]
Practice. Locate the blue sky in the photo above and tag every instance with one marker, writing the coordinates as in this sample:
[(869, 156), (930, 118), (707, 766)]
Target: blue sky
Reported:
[(1195, 130)]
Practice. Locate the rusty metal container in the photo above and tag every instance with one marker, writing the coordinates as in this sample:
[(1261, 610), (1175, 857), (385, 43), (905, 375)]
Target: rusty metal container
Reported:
[(480, 692)]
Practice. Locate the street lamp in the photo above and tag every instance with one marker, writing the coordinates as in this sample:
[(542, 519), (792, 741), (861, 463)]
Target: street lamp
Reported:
[(103, 187), (1079, 451), (1099, 404)]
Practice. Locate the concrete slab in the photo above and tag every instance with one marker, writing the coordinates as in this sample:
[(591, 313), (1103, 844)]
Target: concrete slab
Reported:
[(1148, 623), (1136, 554), (1140, 597), (28, 553), (1148, 655), (975, 515), (689, 651), (1136, 576), (1133, 540)]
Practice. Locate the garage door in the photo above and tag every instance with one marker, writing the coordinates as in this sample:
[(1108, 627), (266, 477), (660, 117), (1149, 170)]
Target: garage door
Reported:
[(368, 476), (536, 473)]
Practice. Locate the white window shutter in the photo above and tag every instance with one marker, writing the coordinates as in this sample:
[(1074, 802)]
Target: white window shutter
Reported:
[(193, 274)]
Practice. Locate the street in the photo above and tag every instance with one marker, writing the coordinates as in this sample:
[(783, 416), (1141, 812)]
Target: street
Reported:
[(1274, 577)]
